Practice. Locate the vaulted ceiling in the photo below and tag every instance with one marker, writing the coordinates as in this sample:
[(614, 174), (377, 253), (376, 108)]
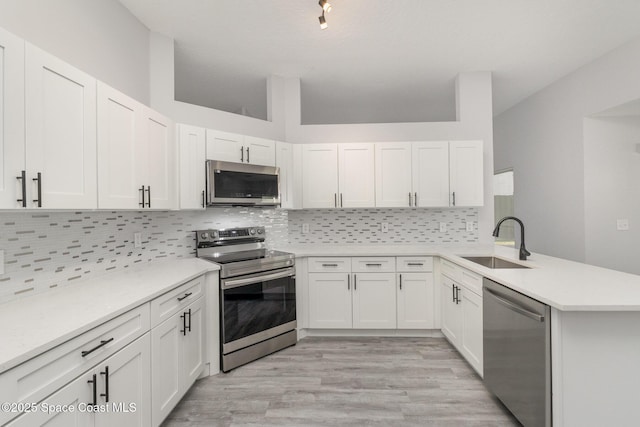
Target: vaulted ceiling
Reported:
[(380, 60)]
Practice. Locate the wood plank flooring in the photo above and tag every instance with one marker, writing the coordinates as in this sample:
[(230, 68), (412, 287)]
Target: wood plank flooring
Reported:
[(346, 382)]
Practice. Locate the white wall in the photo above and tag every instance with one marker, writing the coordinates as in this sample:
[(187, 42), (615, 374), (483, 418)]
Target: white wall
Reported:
[(541, 138), (612, 192), (100, 37)]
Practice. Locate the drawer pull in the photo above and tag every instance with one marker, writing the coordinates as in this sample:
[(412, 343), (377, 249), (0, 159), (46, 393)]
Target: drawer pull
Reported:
[(102, 344), (186, 327), (329, 265), (415, 264), (374, 265), (400, 281), (106, 384), (187, 295)]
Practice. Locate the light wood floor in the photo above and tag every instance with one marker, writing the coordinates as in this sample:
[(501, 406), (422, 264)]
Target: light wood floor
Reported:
[(346, 382)]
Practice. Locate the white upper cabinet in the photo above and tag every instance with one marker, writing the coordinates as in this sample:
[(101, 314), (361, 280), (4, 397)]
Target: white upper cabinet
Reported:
[(192, 153), (259, 151), (60, 133), (356, 176), (12, 142), (393, 174), (231, 147), (120, 130), (320, 176), (466, 173), (160, 162), (430, 169), (136, 154), (284, 161)]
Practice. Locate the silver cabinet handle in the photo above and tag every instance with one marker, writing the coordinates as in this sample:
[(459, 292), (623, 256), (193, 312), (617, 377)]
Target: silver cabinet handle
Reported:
[(38, 179), (23, 181), (513, 306), (355, 284), (400, 281), (454, 198), (410, 199), (341, 205), (415, 264), (348, 282), (374, 265), (241, 154), (329, 265), (247, 154), (335, 200), (415, 199)]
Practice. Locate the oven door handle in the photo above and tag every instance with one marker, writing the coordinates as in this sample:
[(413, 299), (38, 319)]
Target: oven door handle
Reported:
[(229, 284)]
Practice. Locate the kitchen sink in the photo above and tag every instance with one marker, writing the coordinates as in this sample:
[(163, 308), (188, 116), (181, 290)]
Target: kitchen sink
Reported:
[(493, 262)]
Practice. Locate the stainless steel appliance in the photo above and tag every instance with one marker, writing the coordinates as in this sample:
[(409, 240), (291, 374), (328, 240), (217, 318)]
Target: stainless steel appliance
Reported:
[(240, 184), (517, 352), (257, 294)]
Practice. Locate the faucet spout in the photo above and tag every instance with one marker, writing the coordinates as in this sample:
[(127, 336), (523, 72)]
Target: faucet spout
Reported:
[(524, 253)]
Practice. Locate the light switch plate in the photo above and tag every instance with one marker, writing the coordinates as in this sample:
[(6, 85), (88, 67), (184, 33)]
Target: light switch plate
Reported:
[(384, 227), (469, 225), (623, 224), (305, 228), (443, 227), (1, 261), (137, 240)]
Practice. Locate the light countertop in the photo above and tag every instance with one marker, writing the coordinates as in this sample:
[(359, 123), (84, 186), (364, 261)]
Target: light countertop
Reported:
[(565, 285), (35, 324)]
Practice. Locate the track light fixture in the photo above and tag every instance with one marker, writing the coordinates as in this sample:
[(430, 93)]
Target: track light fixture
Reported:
[(326, 7)]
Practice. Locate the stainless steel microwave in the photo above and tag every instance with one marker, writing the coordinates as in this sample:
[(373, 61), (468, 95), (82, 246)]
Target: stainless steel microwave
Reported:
[(239, 184)]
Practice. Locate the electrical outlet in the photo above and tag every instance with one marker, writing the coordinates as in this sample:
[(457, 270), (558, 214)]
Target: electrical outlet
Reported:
[(384, 227), (443, 227), (305, 228), (137, 240), (469, 225), (1, 261), (623, 224)]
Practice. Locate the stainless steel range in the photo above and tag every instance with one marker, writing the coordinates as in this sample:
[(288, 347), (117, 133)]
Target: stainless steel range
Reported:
[(257, 294)]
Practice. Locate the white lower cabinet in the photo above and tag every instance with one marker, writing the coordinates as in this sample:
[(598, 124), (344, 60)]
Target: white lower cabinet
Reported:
[(374, 301), (114, 393), (462, 313), (177, 347), (367, 293)]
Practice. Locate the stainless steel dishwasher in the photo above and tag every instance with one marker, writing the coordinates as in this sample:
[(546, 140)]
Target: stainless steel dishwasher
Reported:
[(517, 352)]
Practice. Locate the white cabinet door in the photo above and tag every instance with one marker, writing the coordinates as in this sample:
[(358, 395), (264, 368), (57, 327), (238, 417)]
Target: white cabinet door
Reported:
[(225, 146), (393, 174), (192, 152), (319, 176), (120, 130), (466, 173), (259, 151), (284, 160), (330, 300), (472, 347), (451, 311), (165, 364), (160, 162), (75, 394), (193, 344), (374, 301), (12, 148), (356, 175), (124, 384), (416, 308), (430, 171), (60, 132)]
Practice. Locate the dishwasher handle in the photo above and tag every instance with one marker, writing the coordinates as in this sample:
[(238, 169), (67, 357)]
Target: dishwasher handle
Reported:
[(512, 306)]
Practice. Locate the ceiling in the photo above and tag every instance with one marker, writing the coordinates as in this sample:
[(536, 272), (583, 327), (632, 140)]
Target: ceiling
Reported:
[(380, 60)]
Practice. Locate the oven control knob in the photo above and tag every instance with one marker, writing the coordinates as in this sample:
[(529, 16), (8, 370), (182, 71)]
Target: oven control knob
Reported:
[(252, 231), (260, 231), (204, 235)]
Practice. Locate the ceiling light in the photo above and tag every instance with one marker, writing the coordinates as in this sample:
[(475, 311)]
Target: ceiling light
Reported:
[(323, 22), (325, 5)]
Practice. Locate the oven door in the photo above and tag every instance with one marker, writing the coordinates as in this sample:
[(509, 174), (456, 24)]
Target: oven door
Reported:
[(257, 307)]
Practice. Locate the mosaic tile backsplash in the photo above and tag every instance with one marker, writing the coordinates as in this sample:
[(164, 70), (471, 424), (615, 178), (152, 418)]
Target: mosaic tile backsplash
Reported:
[(364, 225), (45, 250)]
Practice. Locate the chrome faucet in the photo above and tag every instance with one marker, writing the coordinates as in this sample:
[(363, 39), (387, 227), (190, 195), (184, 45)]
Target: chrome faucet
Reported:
[(524, 253)]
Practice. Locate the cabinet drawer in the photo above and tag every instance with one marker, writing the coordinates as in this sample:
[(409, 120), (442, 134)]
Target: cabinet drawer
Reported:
[(461, 275), (373, 264), (450, 269), (330, 265), (167, 304), (37, 378), (409, 264)]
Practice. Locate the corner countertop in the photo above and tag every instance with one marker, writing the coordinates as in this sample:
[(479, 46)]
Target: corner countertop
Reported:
[(562, 284), (35, 324)]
